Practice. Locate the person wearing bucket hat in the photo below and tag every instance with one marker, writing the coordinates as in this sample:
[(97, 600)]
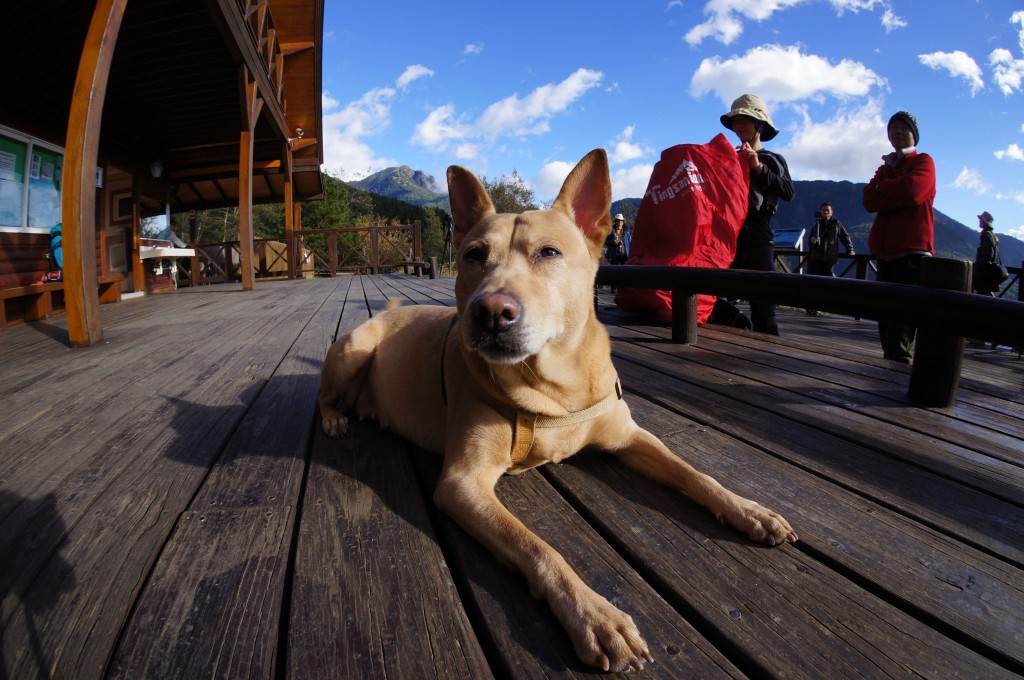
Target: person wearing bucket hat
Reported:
[(769, 181), (901, 194), (986, 259)]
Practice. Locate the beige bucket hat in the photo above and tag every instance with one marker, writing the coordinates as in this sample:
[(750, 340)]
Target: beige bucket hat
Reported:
[(750, 105)]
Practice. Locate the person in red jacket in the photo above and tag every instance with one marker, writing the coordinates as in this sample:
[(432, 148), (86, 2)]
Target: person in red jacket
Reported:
[(902, 193)]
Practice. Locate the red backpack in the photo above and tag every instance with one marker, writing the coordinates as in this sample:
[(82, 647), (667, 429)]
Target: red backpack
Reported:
[(690, 215)]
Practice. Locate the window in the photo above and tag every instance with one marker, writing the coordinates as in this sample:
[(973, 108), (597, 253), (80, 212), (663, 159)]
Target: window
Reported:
[(31, 175)]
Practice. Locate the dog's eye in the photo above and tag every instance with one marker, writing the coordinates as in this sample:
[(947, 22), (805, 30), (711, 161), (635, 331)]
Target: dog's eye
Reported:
[(475, 254), (549, 252)]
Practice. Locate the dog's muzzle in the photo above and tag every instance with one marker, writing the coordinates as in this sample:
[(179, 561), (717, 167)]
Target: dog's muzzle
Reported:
[(496, 328)]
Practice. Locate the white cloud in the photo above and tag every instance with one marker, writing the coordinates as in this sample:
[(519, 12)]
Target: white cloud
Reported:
[(473, 48), (531, 114), (726, 17), (623, 149), (959, 65), (970, 179), (848, 146), (779, 73), (412, 73), (628, 182), (631, 182), (346, 155), (440, 127), (1012, 153), (1007, 72), (891, 22), (511, 116), (550, 179)]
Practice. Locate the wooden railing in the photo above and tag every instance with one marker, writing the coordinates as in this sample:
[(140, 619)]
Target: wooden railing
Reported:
[(322, 252), (861, 265), (943, 311)]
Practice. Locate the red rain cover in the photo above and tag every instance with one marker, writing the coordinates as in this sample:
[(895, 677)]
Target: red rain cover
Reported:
[(694, 206)]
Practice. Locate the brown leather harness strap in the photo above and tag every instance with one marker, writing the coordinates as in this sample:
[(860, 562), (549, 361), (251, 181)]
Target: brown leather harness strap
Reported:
[(524, 424)]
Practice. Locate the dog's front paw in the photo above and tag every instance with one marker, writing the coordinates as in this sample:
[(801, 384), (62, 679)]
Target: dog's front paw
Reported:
[(763, 525), (335, 425), (607, 638)]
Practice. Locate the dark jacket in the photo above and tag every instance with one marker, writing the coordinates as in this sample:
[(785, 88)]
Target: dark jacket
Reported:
[(988, 252), (829, 234), (766, 188)]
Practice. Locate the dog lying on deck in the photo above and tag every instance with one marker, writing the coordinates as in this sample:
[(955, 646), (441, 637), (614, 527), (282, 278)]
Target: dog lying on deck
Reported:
[(518, 375)]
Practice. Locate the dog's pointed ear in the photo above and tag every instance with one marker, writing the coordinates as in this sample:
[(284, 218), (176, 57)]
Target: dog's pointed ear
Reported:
[(586, 197), (469, 200)]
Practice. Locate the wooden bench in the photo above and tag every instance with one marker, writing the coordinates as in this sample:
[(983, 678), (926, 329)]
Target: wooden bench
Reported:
[(42, 300)]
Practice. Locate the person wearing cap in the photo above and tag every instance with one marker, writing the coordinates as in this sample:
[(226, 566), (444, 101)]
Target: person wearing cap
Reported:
[(616, 247), (902, 194), (986, 257), (769, 181)]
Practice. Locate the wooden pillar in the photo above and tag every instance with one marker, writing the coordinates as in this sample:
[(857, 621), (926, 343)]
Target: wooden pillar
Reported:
[(81, 150), (253, 106), (193, 242), (939, 356), (138, 273), (291, 247)]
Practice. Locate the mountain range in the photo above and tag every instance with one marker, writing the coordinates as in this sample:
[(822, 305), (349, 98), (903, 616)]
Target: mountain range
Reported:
[(952, 238)]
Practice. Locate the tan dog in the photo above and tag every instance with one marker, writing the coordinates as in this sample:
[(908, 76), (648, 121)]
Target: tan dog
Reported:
[(520, 375)]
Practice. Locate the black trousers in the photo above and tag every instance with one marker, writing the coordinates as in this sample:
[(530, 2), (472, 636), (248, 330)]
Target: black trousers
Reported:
[(758, 257), (897, 336)]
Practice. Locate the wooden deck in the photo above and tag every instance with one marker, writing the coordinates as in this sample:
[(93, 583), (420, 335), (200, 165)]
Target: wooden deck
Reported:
[(170, 508)]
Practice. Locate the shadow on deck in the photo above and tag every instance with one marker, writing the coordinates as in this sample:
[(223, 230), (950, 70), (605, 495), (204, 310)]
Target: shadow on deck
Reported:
[(169, 507)]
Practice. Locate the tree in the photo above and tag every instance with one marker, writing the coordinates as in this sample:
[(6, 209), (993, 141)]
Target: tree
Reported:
[(510, 193)]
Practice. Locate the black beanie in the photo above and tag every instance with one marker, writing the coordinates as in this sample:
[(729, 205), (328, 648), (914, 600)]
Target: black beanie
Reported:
[(908, 120)]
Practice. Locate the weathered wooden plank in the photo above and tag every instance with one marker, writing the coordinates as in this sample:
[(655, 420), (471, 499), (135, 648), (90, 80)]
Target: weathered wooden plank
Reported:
[(213, 609), (522, 630), (136, 475), (799, 399), (979, 596), (790, 614), (372, 595)]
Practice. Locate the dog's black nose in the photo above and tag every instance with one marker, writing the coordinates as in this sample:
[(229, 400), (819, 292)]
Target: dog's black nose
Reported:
[(495, 312)]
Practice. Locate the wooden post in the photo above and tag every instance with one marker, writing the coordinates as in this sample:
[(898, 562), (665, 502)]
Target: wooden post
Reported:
[(374, 250), (78, 196), (291, 250), (433, 267), (684, 317), (193, 242), (138, 270), (938, 356)]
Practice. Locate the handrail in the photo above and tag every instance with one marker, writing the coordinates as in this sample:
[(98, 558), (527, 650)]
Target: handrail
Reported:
[(866, 263), (943, 317), (966, 314)]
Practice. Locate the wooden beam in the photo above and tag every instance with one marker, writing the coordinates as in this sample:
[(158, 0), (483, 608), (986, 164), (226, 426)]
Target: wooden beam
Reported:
[(78, 199), (253, 104)]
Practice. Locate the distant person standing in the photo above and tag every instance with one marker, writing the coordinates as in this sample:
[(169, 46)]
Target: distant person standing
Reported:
[(769, 181), (902, 193), (615, 247), (986, 260), (826, 234)]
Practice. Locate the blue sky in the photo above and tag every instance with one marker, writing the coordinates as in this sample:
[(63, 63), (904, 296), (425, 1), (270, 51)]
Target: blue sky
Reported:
[(533, 86)]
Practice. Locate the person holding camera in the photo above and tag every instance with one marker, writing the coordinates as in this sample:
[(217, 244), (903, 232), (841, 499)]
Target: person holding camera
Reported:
[(826, 235)]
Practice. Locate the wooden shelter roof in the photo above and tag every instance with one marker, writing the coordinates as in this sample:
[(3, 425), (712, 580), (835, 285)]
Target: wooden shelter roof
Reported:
[(174, 92)]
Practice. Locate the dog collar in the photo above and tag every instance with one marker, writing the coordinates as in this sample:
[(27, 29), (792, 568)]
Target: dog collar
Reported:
[(527, 423)]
